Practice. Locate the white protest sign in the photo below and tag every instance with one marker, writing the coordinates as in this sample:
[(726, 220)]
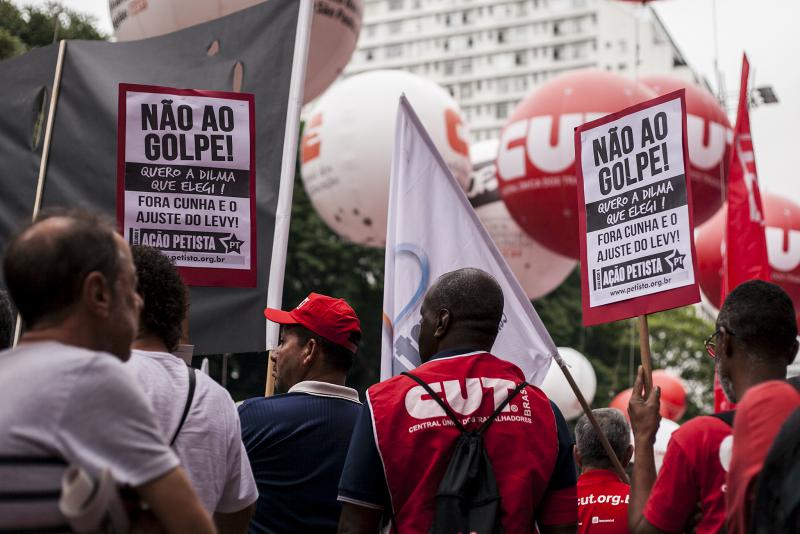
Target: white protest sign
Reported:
[(637, 248), (186, 180)]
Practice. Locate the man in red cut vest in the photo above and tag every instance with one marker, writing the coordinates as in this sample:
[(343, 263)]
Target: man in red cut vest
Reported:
[(403, 443), (754, 341), (602, 496)]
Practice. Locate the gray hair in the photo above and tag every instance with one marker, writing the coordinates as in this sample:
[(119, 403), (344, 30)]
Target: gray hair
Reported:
[(616, 428)]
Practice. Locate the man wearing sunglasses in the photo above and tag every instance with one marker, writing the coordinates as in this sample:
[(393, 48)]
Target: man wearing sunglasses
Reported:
[(754, 341)]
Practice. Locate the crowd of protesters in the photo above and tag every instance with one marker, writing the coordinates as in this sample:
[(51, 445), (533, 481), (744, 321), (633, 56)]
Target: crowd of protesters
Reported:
[(461, 443)]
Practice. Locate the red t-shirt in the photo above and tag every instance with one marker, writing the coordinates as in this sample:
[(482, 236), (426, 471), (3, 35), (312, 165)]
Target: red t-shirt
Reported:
[(602, 503), (692, 472), (764, 408)]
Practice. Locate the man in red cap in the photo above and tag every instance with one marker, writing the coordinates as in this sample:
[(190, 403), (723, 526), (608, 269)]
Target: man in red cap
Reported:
[(297, 441)]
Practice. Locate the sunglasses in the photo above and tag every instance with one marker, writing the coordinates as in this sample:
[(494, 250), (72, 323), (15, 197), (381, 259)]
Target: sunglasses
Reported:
[(711, 341)]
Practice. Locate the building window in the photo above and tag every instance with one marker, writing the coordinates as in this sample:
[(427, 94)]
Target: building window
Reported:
[(470, 42), (369, 55), (501, 110), (502, 85), (465, 17), (520, 58), (465, 90), (448, 68), (395, 5), (501, 36), (394, 51), (558, 52), (622, 66), (556, 28), (466, 66), (395, 27), (447, 20)]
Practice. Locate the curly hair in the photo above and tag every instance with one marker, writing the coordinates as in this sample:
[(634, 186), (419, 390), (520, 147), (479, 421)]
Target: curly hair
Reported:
[(164, 294)]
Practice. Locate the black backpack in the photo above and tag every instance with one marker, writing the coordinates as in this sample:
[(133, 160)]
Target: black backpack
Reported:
[(468, 499), (776, 509)]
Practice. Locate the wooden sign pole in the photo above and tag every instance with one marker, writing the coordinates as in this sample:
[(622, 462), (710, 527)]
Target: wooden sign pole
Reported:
[(644, 345)]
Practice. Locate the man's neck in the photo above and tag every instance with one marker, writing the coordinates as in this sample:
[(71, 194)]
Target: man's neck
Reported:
[(461, 342), (331, 377), (149, 343), (758, 374), (70, 331)]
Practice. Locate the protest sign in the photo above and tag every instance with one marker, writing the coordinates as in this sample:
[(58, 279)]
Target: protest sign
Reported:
[(636, 227), (186, 180)]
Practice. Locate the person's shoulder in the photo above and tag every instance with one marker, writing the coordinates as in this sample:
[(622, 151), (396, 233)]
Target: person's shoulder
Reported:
[(703, 431)]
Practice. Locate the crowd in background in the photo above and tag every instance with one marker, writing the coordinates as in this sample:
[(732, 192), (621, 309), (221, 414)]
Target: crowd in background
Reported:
[(93, 385)]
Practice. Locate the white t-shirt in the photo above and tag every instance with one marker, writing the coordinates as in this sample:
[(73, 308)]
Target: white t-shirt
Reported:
[(210, 442), (60, 401)]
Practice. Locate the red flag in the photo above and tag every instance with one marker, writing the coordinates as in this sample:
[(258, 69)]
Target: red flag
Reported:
[(745, 255)]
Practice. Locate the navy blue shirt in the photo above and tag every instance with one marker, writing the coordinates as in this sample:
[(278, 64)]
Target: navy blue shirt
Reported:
[(297, 444), (364, 481)]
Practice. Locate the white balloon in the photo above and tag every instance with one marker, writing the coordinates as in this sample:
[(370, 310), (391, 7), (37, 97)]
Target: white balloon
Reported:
[(538, 269), (663, 435), (347, 147), (557, 388), (334, 29)]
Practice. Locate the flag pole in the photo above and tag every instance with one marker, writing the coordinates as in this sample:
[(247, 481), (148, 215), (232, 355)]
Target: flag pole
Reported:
[(283, 213), (592, 420), (48, 135)]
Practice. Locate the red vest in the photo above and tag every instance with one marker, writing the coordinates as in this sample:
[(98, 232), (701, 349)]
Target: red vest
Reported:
[(416, 439)]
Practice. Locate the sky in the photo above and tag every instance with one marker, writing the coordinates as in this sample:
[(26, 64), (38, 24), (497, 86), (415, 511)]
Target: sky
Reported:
[(762, 28)]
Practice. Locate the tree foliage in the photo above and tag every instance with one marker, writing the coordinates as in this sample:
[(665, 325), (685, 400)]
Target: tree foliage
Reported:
[(676, 344), (25, 28)]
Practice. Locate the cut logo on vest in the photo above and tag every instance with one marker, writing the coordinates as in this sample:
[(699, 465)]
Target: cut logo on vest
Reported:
[(465, 398)]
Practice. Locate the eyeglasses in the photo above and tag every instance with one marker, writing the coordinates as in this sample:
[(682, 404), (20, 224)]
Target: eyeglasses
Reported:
[(711, 341)]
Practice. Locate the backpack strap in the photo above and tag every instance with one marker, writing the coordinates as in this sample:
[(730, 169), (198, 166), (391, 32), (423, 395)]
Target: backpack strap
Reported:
[(439, 401), (500, 408), (726, 417), (189, 399)]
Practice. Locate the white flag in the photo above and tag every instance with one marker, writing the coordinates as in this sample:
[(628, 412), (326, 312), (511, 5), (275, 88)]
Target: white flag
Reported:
[(433, 230)]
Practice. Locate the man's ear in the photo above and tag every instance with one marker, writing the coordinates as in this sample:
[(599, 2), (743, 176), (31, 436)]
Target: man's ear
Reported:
[(577, 456), (442, 323), (96, 294), (310, 352), (626, 458), (793, 352), (725, 345)]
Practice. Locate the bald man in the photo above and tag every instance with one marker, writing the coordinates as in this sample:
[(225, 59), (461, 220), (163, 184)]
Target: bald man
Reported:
[(402, 442), (64, 395)]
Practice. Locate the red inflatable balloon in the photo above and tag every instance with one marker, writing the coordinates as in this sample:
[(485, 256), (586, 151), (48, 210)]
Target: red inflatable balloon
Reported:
[(536, 160), (707, 131), (673, 396), (783, 247)]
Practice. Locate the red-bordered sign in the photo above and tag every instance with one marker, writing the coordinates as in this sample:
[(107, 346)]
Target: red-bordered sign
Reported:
[(186, 181), (635, 212)]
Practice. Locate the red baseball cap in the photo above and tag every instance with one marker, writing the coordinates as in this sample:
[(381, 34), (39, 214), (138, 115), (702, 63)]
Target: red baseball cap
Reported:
[(326, 316)]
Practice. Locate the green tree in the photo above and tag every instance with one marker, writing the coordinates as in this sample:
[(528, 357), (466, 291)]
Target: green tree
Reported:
[(25, 28)]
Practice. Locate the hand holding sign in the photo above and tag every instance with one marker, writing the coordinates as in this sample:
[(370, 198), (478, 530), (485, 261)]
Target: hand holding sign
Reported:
[(637, 248)]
